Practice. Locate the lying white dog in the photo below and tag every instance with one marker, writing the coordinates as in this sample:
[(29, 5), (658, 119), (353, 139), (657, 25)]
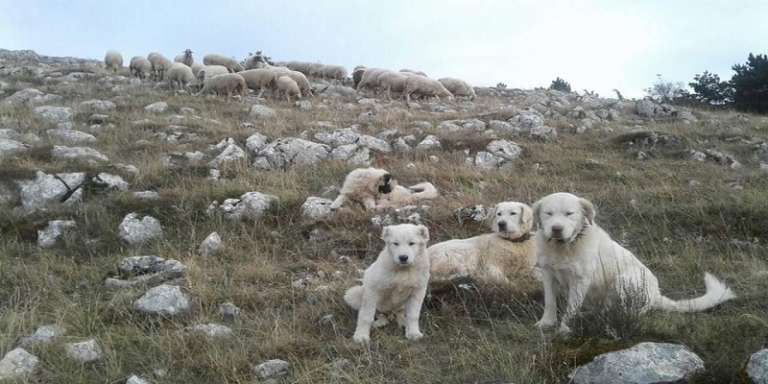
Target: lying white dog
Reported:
[(376, 189), (579, 259), (501, 257), (395, 283)]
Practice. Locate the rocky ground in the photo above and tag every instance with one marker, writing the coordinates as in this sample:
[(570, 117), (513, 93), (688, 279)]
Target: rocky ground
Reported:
[(157, 237)]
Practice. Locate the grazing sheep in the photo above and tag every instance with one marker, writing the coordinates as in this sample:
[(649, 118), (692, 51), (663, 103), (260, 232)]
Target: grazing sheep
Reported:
[(209, 71), (286, 85), (226, 84), (140, 67), (231, 64), (420, 73), (298, 77), (299, 67), (159, 65), (458, 87), (259, 79), (357, 75), (113, 60), (196, 67), (256, 61), (179, 74), (334, 72), (185, 57), (369, 78), (392, 81), (425, 87)]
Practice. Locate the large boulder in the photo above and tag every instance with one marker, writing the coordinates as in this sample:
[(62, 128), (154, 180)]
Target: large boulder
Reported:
[(10, 147), (53, 114), (292, 151), (316, 208), (645, 363), (137, 231), (70, 137), (86, 154), (84, 351), (46, 189), (757, 367), (17, 364), (250, 206), (31, 96), (164, 300)]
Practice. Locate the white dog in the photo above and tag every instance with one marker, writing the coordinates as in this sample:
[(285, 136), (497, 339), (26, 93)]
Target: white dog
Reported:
[(376, 189), (395, 283), (500, 257), (579, 259)]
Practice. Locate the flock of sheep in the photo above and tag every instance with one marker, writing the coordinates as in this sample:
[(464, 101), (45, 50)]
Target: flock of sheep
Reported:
[(226, 76)]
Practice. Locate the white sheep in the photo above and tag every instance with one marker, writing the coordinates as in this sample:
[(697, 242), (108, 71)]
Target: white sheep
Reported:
[(140, 67), (159, 65), (226, 84), (298, 77), (334, 72), (231, 64), (208, 71), (185, 57), (425, 87), (392, 81), (286, 85), (113, 60), (260, 79), (420, 73), (458, 87), (196, 67), (357, 75), (369, 78), (179, 74)]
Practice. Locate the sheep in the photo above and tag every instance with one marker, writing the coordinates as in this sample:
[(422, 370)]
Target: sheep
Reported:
[(231, 64), (260, 78), (315, 69), (420, 73), (226, 84), (458, 87), (256, 60), (140, 67), (185, 57), (113, 61), (179, 74), (369, 77), (357, 75), (208, 71), (298, 77), (285, 84), (335, 72), (392, 81), (196, 67), (425, 87), (159, 65)]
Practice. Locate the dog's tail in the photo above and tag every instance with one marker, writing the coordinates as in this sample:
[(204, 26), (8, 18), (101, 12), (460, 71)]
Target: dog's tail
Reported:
[(423, 191), (717, 293), (354, 297)]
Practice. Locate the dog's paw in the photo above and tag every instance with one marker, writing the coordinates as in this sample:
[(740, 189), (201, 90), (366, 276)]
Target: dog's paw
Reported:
[(361, 338), (414, 335), (545, 324)]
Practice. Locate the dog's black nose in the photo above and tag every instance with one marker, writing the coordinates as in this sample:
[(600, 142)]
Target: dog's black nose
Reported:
[(557, 230), (502, 225), (403, 258)]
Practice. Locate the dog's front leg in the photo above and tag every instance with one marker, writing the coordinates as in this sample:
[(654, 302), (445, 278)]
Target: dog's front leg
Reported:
[(340, 200), (369, 203), (549, 318), (412, 313), (577, 290), (365, 317)]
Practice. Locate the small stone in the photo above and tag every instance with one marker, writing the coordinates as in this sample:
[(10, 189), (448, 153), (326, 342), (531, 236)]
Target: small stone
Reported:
[(17, 364), (757, 367), (316, 208), (85, 351), (229, 312), (164, 300), (136, 380), (211, 330), (430, 142), (10, 147), (211, 245), (135, 231), (48, 237), (261, 112), (271, 369), (110, 182), (158, 107), (86, 154), (147, 195), (43, 335), (53, 114)]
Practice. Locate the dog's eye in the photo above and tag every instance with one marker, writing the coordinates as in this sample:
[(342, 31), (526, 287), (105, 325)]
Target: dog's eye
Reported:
[(396, 244), (411, 243), (498, 214), (569, 213), (512, 213), (548, 213)]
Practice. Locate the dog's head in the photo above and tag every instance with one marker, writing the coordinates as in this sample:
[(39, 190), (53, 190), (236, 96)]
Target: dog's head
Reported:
[(405, 242), (562, 217), (511, 219), (385, 184)]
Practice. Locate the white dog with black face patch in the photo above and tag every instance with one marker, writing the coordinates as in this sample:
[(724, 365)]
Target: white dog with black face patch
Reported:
[(501, 257), (375, 188), (395, 283), (579, 259)]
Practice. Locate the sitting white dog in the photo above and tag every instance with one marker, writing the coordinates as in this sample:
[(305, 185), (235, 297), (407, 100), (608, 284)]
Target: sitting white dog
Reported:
[(501, 257), (395, 283), (579, 259)]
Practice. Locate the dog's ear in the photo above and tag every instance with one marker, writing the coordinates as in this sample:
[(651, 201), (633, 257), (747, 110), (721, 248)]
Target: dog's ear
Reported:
[(589, 210), (385, 233), (386, 178), (537, 214), (526, 218), (424, 232)]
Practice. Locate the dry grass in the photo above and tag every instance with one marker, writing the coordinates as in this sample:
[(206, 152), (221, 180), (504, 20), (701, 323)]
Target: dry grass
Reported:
[(473, 336)]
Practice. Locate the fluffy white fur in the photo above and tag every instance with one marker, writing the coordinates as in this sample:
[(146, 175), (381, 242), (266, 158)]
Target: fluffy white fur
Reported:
[(501, 257), (579, 259), (395, 283), (375, 188)]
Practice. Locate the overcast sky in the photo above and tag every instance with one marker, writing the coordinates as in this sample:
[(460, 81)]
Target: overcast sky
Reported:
[(598, 45)]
